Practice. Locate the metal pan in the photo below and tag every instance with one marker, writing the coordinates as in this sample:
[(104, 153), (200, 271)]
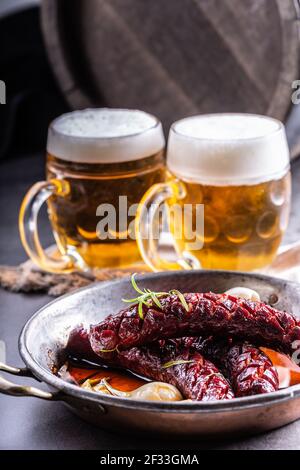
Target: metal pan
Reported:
[(44, 337)]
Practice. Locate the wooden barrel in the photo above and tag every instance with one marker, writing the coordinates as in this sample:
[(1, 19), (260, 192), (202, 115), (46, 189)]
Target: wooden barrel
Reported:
[(175, 58)]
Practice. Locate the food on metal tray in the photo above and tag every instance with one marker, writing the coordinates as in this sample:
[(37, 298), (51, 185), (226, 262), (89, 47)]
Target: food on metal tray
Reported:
[(158, 337), (249, 370), (155, 316), (169, 361)]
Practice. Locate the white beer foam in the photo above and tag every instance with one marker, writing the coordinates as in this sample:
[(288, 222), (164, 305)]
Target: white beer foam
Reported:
[(228, 149), (105, 136)]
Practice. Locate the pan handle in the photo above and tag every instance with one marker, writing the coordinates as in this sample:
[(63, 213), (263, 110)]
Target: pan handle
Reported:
[(23, 372), (10, 388)]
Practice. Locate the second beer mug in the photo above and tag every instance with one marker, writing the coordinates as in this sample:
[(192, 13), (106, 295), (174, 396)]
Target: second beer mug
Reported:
[(228, 195), (99, 164)]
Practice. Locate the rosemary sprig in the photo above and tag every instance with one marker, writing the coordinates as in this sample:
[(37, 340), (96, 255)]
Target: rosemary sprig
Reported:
[(134, 284), (181, 298), (175, 363), (110, 350), (154, 298), (147, 295), (107, 350)]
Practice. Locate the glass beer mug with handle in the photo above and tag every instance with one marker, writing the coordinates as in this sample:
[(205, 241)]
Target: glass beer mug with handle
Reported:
[(99, 161), (236, 168)]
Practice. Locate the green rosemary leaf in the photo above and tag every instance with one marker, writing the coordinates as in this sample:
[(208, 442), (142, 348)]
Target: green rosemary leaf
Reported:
[(175, 363), (131, 300), (107, 350), (155, 299), (140, 310), (181, 298), (146, 295), (134, 284)]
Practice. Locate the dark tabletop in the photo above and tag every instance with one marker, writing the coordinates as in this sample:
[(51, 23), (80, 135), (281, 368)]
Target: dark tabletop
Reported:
[(29, 423)]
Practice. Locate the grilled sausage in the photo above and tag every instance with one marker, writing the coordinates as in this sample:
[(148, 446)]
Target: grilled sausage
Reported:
[(208, 314)]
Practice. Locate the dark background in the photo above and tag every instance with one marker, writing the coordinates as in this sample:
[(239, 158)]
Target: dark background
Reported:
[(33, 98)]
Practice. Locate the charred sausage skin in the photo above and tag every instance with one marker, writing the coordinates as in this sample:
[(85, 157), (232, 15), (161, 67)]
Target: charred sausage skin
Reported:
[(248, 369), (209, 314), (170, 361)]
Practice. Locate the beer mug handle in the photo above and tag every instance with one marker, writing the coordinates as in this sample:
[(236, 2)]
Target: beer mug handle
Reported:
[(148, 229), (37, 195)]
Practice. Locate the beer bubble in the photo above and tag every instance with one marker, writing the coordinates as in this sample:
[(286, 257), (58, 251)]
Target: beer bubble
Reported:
[(267, 224), (238, 229)]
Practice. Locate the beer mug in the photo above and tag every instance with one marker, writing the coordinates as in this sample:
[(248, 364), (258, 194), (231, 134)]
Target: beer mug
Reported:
[(98, 161), (229, 179)]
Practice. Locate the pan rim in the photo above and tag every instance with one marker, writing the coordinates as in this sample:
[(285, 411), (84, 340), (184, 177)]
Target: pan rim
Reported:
[(70, 390)]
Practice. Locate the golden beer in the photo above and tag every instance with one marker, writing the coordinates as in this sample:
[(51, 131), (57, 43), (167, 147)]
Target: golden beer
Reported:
[(243, 225), (74, 218), (99, 164), (235, 168)]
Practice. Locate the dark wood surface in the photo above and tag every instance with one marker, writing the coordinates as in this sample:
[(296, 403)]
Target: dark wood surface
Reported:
[(175, 58), (28, 423)]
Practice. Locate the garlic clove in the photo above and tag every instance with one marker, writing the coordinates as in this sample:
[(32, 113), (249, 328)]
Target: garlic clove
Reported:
[(157, 391), (244, 293), (151, 391)]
